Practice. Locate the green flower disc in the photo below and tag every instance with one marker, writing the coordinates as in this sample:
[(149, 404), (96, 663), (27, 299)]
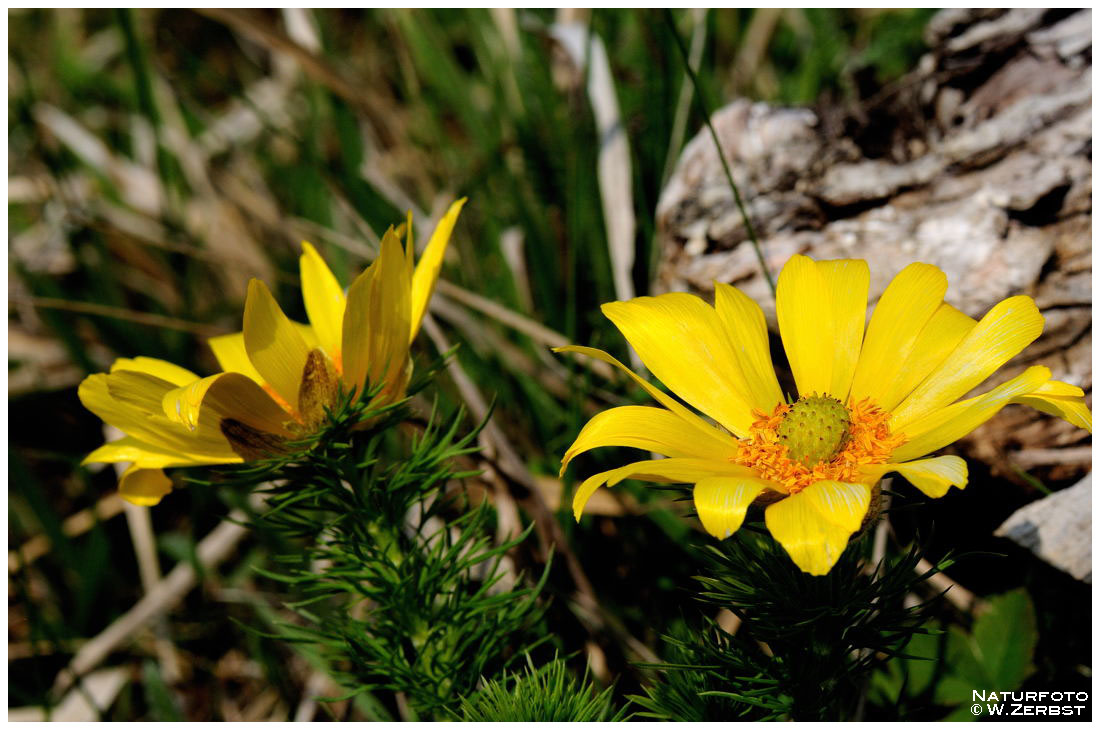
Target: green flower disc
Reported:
[(814, 430)]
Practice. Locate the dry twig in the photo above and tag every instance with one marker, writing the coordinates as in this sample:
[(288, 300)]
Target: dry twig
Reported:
[(210, 552), (130, 315), (960, 597), (74, 525), (505, 464), (258, 30)]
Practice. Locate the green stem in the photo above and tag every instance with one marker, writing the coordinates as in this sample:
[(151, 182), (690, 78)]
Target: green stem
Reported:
[(705, 111)]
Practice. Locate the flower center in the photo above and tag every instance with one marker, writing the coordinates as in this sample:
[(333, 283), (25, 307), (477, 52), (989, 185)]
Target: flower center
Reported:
[(817, 439), (814, 429)]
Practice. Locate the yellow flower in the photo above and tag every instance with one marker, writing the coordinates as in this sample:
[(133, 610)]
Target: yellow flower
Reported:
[(869, 404), (278, 375)]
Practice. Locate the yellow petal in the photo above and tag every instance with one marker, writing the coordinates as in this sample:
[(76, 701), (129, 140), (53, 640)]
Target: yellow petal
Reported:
[(701, 429), (141, 398), (141, 394), (1001, 334), (226, 395), (143, 487), (932, 476), (134, 416), (722, 501), (252, 444), (324, 300), (309, 335), (949, 424), (1062, 400), (356, 335), (944, 331), (848, 280), (1074, 410), (681, 340), (274, 344), (821, 307), (652, 429), (376, 322), (391, 316), (95, 396), (133, 450), (904, 309), (1059, 389), (688, 471), (748, 334), (804, 312), (427, 270), (232, 357), (231, 409), (160, 368), (814, 525)]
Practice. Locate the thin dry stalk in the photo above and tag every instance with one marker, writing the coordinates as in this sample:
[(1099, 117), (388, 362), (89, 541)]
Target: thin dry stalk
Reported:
[(86, 703), (258, 30), (683, 104), (964, 600), (317, 685), (215, 548), (554, 380), (539, 333), (511, 247), (130, 315), (74, 525), (757, 38), (141, 533), (504, 464), (613, 169), (1027, 458)]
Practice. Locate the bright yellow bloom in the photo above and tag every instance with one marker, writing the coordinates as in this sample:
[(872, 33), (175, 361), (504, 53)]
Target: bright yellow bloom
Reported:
[(869, 403), (278, 375)]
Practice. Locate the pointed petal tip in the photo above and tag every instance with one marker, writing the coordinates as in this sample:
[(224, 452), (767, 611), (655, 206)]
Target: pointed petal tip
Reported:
[(612, 306), (256, 287)]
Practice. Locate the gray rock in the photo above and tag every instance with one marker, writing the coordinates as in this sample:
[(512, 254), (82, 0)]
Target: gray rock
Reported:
[(1057, 528)]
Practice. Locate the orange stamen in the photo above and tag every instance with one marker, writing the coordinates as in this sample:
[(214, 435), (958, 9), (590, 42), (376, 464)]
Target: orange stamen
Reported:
[(869, 442)]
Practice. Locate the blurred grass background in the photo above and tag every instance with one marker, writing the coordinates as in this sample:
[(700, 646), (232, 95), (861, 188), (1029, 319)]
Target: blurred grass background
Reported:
[(158, 159)]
